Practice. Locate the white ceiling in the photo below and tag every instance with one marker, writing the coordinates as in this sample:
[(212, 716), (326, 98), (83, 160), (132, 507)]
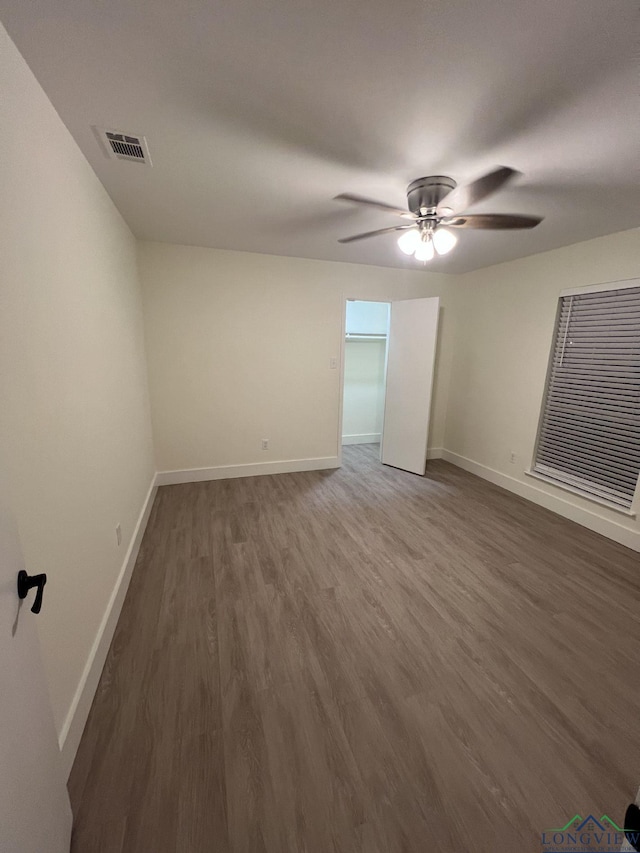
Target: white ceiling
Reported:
[(258, 113)]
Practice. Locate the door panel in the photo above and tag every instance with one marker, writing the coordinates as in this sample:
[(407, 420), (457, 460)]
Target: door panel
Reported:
[(410, 362), (35, 815)]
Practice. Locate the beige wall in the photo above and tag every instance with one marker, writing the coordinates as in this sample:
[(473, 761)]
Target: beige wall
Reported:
[(504, 320), (239, 346), (74, 418)]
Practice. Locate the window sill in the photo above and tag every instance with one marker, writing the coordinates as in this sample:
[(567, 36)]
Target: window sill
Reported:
[(629, 513)]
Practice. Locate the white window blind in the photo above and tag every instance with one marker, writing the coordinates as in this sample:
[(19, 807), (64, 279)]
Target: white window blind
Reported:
[(589, 434)]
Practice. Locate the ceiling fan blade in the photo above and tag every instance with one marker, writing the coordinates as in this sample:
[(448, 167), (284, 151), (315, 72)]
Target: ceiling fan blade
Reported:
[(500, 221), (461, 198), (374, 233), (389, 208)]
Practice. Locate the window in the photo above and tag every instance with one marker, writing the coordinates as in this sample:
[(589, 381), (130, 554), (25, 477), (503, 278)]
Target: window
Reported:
[(589, 433)]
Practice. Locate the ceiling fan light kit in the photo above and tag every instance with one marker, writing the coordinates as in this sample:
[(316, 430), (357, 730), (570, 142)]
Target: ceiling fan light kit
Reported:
[(437, 201), (424, 243)]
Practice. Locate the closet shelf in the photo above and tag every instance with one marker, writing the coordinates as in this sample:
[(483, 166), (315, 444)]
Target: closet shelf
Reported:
[(365, 338)]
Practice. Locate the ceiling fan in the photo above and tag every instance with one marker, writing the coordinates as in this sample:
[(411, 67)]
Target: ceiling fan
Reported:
[(437, 203)]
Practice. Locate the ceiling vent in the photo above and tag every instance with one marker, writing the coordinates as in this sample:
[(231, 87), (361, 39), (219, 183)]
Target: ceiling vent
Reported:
[(117, 145)]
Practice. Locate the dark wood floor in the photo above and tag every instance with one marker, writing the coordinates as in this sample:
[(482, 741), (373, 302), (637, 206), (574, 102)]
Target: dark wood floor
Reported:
[(362, 660)]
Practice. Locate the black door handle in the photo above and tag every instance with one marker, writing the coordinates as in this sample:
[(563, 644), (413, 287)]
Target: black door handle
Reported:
[(27, 582)]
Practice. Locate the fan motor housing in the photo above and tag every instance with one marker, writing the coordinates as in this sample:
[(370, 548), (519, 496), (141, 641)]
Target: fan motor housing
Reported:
[(425, 194)]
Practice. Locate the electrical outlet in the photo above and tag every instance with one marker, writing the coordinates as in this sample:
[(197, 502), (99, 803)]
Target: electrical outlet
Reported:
[(118, 534), (333, 363), (513, 457), (265, 443)]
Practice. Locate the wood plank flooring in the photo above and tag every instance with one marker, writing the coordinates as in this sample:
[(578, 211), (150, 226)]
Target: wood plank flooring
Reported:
[(362, 660)]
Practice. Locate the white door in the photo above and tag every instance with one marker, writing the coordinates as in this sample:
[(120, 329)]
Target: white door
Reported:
[(35, 815), (410, 360)]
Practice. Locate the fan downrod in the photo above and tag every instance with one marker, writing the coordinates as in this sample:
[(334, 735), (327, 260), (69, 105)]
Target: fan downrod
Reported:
[(425, 194)]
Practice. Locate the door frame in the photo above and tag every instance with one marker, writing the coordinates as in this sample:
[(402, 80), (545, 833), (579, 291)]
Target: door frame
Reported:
[(343, 350)]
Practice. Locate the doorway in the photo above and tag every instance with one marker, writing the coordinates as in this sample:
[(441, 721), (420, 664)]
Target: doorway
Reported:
[(387, 378), (365, 365)]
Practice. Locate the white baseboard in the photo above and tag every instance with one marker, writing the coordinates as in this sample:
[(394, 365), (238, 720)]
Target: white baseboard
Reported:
[(76, 718), (607, 527), (252, 469), (434, 453), (365, 438)]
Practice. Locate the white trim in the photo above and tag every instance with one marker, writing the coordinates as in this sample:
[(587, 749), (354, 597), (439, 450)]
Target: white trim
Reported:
[(576, 490), (343, 356), (611, 529), (365, 438), (435, 453), (76, 718), (358, 337), (601, 288), (251, 469)]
